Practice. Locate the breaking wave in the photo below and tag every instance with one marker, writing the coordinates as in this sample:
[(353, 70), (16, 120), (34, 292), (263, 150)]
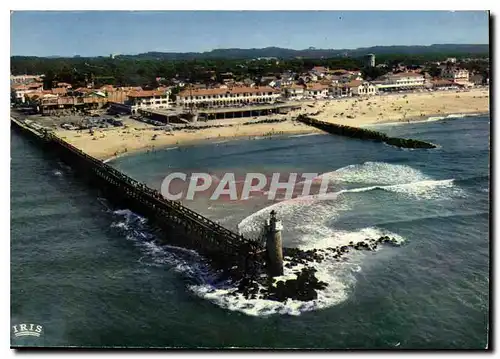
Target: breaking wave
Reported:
[(306, 135), (456, 115), (375, 173), (310, 223), (188, 262)]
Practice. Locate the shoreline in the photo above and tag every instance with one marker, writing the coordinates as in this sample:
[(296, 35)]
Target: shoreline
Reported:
[(220, 140), (308, 132), (381, 110)]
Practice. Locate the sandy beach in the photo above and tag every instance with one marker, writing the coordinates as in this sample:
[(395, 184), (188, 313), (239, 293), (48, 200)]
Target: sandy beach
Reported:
[(106, 143)]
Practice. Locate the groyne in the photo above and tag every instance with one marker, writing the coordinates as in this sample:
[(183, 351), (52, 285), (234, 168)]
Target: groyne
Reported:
[(363, 134)]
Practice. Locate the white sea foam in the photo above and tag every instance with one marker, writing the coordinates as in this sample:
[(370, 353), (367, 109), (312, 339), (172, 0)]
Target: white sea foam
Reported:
[(305, 135), (455, 115), (338, 278), (375, 173), (310, 219), (339, 275), (426, 189), (429, 119)]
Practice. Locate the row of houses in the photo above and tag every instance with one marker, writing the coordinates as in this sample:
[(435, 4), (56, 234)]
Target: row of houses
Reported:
[(320, 82), (63, 97)]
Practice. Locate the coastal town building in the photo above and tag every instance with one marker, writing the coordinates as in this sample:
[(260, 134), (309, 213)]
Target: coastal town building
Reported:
[(440, 84), (319, 71), (63, 85), (316, 90), (226, 97), (293, 92), (477, 79), (400, 81), (334, 79), (19, 91), (148, 100), (340, 90), (48, 103), (361, 88), (460, 76), (24, 79)]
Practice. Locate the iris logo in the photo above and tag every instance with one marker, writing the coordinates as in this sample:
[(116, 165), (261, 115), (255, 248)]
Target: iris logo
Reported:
[(22, 330)]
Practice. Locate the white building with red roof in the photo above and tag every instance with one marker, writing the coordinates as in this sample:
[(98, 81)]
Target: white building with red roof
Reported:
[(401, 81), (19, 91), (361, 88), (459, 76), (226, 97), (316, 90), (148, 100)]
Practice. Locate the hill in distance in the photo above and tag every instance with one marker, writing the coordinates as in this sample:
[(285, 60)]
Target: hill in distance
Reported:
[(277, 52), (282, 53)]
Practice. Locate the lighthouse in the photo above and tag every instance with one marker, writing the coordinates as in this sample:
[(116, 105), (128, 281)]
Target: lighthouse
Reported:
[(274, 246)]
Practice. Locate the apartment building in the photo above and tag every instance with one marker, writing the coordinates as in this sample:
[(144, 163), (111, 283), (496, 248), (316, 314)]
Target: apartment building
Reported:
[(226, 97)]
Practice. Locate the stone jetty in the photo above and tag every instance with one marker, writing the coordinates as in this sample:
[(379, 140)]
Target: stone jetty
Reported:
[(363, 134)]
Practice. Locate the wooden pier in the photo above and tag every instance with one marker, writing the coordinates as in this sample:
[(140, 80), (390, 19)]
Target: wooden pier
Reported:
[(181, 225)]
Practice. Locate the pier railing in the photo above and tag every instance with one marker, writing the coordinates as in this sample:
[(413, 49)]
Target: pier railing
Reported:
[(156, 197)]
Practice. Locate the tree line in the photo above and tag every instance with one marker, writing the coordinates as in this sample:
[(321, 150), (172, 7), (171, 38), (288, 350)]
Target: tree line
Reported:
[(126, 71)]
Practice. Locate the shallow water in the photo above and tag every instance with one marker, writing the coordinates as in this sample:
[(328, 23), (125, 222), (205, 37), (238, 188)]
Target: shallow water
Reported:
[(93, 275)]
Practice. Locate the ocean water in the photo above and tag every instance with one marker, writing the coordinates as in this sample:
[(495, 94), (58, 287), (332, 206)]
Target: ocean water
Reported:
[(94, 275)]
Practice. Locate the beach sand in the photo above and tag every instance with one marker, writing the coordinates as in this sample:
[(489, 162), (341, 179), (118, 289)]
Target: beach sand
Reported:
[(107, 143)]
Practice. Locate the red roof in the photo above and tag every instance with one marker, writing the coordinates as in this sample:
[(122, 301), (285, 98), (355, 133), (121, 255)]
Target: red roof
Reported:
[(35, 85), (320, 69), (354, 83), (317, 87), (295, 86), (19, 87), (223, 91), (107, 88), (406, 74), (146, 93), (442, 82), (83, 90), (341, 71), (59, 90)]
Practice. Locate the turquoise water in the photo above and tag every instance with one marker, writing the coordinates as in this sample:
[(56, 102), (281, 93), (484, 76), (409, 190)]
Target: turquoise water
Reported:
[(93, 275)]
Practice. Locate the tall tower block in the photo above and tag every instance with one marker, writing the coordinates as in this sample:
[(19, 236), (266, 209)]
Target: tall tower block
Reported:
[(370, 60)]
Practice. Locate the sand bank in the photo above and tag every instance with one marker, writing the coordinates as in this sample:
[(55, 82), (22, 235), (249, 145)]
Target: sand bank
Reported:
[(105, 144)]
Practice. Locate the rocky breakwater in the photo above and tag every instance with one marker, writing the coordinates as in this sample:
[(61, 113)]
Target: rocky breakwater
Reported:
[(305, 285), (363, 134)]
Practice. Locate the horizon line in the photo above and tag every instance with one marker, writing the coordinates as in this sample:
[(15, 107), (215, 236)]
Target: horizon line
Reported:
[(312, 48)]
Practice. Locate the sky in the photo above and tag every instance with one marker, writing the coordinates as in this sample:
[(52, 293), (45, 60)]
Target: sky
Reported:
[(101, 33)]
